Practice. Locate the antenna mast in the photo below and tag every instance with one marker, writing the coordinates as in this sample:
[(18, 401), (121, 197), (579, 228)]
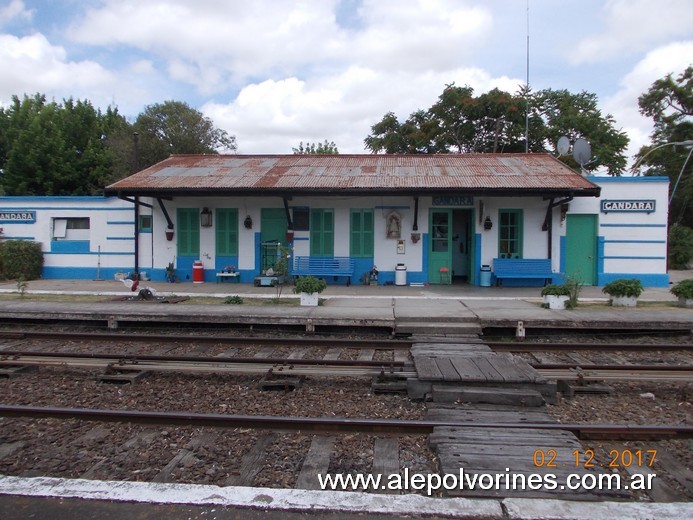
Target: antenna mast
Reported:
[(527, 89)]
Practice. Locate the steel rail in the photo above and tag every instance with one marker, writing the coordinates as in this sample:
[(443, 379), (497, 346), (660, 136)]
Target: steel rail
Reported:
[(378, 344), (9, 355), (617, 375), (507, 346), (324, 424), (216, 367)]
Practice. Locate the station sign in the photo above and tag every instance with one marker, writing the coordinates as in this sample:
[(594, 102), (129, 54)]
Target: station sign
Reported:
[(453, 200), (17, 217), (628, 206)]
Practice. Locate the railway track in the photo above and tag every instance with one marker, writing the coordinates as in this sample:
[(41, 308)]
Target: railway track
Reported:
[(342, 425)]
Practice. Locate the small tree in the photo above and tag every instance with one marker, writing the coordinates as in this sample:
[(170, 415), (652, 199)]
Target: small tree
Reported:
[(323, 148), (20, 259)]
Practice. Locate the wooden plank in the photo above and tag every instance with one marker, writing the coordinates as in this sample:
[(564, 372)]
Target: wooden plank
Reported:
[(427, 369), (486, 367), (265, 352), (333, 353), (298, 353), (401, 356), (447, 369), (477, 416), (183, 456), (469, 372), (386, 460), (228, 353), (366, 354), (674, 469), (317, 461), (252, 462)]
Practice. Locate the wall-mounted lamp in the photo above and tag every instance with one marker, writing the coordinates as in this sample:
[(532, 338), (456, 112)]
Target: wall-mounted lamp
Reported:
[(169, 234), (248, 222), (488, 224), (205, 217)]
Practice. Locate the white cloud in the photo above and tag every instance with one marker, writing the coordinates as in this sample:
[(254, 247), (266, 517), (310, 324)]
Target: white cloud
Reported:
[(273, 116), (31, 64), (15, 10), (669, 59), (632, 26)]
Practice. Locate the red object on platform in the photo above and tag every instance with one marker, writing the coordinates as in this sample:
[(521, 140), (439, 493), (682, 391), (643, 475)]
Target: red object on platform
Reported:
[(198, 272)]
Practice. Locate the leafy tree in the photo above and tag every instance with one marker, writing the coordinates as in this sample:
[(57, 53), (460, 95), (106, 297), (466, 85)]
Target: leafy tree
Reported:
[(494, 122), (323, 148), (53, 149), (669, 102), (173, 127)]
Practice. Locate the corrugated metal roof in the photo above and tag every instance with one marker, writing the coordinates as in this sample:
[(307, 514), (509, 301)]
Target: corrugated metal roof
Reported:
[(343, 173)]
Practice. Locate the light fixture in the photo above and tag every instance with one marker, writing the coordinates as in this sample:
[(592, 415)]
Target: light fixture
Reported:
[(565, 207), (488, 224), (248, 222), (169, 234), (206, 217)]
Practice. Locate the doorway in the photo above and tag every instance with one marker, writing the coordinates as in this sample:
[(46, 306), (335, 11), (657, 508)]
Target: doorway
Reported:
[(581, 248), (450, 246)]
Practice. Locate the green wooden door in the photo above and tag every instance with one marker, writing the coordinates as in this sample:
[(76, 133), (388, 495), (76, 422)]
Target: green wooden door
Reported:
[(581, 248), (273, 226), (440, 252)]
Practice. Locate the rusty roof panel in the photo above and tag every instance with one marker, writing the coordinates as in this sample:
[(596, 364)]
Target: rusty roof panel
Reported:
[(332, 173)]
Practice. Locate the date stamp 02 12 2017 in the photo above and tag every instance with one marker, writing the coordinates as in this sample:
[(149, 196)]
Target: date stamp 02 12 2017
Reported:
[(624, 458)]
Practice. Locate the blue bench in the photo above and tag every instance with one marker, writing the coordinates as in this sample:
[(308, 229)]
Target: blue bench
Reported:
[(324, 266), (527, 268)]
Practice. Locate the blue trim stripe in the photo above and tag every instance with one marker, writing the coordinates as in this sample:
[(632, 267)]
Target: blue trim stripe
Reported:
[(635, 258), (120, 238), (634, 225), (92, 253), (654, 178), (58, 198), (84, 209), (18, 238), (124, 222), (635, 241)]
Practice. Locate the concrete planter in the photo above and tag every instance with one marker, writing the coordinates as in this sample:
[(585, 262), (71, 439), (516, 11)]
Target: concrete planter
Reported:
[(624, 301), (556, 302), (309, 299), (685, 302)]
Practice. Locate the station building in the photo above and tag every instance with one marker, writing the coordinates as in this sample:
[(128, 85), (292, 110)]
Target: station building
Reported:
[(421, 219)]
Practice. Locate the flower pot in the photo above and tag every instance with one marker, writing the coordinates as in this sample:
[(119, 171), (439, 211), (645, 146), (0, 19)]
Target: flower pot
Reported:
[(685, 302), (309, 299), (624, 301), (556, 302), (169, 235)]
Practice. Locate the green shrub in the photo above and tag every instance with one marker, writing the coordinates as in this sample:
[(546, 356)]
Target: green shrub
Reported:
[(680, 246), (683, 289), (20, 259), (624, 287), (555, 290), (234, 300), (310, 285)]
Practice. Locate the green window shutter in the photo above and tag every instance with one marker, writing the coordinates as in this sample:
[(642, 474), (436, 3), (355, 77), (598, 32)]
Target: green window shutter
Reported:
[(510, 223), (361, 233), (322, 232), (188, 231), (227, 232)]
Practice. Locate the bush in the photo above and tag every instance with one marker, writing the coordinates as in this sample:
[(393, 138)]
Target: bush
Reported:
[(309, 285), (20, 259), (680, 246), (555, 290), (683, 289), (234, 300), (624, 287)]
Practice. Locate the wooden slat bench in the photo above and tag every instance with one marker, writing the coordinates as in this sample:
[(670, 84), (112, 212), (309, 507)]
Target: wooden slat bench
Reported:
[(525, 268), (324, 266)]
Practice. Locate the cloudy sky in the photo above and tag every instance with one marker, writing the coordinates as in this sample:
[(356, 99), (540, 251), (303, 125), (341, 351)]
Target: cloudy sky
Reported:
[(276, 72)]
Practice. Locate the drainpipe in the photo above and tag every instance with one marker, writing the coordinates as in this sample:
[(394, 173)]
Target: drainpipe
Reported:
[(137, 238)]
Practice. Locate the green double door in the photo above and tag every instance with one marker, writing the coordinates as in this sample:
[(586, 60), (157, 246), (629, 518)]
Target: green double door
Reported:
[(581, 248)]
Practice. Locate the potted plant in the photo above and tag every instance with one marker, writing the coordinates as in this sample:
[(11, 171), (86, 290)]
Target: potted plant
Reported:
[(556, 296), (684, 292), (309, 287), (170, 273), (624, 292)]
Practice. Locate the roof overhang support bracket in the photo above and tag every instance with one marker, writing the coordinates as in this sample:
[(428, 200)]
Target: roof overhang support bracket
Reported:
[(136, 201), (415, 227), (289, 223), (547, 225), (169, 222)]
